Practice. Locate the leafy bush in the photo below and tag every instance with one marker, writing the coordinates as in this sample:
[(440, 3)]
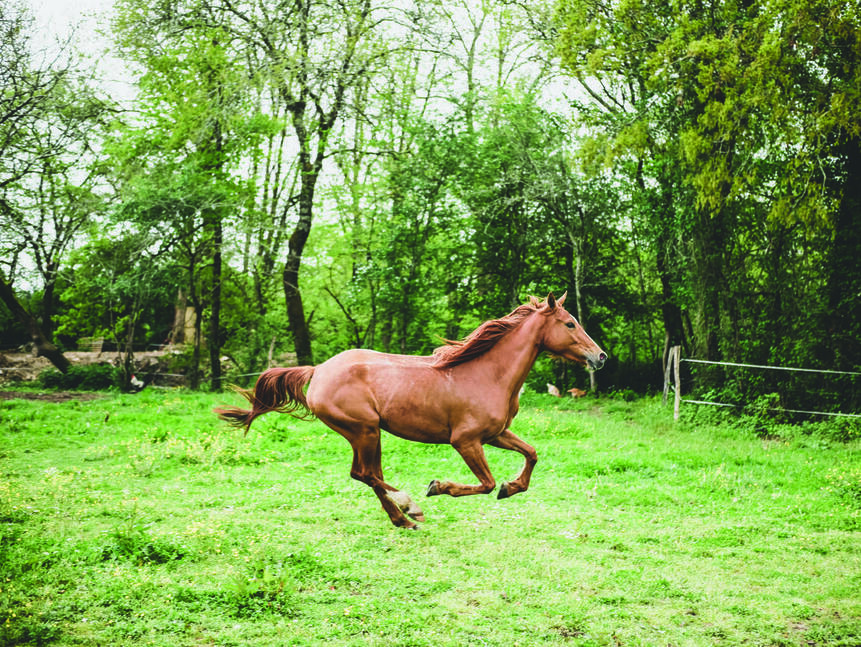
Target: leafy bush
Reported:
[(261, 589), (843, 430), (29, 630), (92, 377), (131, 541)]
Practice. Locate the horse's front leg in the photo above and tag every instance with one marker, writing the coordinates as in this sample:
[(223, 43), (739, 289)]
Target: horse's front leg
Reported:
[(473, 455), (507, 440)]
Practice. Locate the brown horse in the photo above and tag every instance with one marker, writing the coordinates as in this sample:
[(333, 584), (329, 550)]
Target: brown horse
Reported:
[(465, 394)]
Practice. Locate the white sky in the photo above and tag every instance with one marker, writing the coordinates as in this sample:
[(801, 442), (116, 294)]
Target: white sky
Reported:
[(86, 21), (57, 18)]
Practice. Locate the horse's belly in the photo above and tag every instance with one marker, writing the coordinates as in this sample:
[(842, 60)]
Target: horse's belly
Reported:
[(421, 424)]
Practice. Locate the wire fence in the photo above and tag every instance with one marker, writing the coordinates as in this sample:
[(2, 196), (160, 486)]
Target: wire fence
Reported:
[(773, 368), (672, 379)]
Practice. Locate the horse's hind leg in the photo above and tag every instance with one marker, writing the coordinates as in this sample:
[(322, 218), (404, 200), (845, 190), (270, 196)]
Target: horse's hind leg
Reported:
[(367, 468)]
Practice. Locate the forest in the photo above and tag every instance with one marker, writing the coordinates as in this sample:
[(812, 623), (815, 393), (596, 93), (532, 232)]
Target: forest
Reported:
[(301, 177)]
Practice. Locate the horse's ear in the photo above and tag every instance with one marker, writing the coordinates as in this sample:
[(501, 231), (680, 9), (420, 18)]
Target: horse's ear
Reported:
[(561, 299), (551, 301)]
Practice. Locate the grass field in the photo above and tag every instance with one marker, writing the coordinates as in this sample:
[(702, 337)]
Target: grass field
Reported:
[(141, 520)]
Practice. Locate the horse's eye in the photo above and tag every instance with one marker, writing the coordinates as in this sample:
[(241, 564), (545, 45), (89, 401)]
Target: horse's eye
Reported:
[(570, 324)]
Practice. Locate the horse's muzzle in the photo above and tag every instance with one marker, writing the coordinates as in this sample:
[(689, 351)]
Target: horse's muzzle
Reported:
[(597, 360)]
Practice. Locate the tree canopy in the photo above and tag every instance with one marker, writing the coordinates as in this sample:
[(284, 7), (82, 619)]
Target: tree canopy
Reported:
[(310, 176)]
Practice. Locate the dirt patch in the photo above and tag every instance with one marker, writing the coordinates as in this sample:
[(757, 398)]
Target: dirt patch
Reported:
[(26, 367), (54, 396)]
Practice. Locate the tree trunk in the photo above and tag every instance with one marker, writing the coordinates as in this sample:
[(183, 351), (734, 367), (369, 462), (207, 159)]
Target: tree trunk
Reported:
[(293, 295), (197, 307), (214, 341), (177, 331), (578, 297), (663, 209), (44, 347), (213, 221), (194, 377), (125, 353), (710, 310), (670, 310), (48, 301), (844, 280)]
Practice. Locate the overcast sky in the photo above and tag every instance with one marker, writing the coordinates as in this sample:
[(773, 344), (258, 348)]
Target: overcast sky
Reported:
[(83, 20), (57, 17)]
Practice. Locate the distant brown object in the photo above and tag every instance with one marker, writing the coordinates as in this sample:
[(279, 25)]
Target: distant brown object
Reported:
[(577, 393)]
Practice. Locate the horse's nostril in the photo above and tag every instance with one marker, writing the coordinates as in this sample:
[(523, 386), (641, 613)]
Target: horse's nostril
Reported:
[(602, 357)]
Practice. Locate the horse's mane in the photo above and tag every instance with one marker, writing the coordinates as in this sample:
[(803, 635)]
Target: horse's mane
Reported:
[(483, 338)]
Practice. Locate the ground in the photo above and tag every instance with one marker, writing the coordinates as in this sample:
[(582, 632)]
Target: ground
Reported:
[(141, 520), (53, 396), (25, 367)]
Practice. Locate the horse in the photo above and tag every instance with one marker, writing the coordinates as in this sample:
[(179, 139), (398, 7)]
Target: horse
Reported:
[(465, 394)]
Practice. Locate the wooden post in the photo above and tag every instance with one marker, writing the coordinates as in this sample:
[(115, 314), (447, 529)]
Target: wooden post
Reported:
[(667, 369), (676, 353)]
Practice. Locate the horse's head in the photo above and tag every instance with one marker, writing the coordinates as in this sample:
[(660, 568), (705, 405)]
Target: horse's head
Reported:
[(564, 336)]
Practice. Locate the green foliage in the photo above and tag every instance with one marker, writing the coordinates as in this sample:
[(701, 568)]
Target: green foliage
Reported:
[(11, 331), (845, 430), (744, 198), (421, 244), (132, 541), (266, 589), (89, 377), (699, 188), (119, 289)]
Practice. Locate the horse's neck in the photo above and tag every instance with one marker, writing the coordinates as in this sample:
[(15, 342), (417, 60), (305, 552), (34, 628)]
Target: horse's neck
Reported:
[(511, 358)]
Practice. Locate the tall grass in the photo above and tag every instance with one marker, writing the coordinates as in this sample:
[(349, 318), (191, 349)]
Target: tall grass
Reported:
[(140, 520)]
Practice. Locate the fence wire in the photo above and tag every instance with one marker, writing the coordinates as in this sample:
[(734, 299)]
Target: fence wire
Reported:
[(772, 368)]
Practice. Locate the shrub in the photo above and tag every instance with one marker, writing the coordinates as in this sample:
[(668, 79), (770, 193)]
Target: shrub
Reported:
[(131, 541), (92, 377), (843, 430)]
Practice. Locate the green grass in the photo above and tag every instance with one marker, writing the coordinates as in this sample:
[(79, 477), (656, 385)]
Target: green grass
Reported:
[(141, 520)]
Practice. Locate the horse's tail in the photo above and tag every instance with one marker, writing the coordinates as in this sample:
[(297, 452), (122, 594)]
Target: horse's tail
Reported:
[(277, 389)]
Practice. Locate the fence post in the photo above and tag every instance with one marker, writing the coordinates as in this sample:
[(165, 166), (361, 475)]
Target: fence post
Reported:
[(667, 370), (677, 351)]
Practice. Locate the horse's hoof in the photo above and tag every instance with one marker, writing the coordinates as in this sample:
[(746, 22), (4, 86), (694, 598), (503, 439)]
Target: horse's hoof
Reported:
[(433, 488), (406, 504), (503, 491)]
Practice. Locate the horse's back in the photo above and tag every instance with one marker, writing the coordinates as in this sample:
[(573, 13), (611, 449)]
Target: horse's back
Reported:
[(359, 369), (377, 358), (403, 394)]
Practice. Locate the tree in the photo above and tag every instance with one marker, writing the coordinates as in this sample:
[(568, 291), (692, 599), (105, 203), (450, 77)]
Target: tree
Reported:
[(539, 220), (195, 94), (772, 139), (121, 288), (61, 196), (731, 122), (611, 50), (314, 51), (48, 172), (822, 49)]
